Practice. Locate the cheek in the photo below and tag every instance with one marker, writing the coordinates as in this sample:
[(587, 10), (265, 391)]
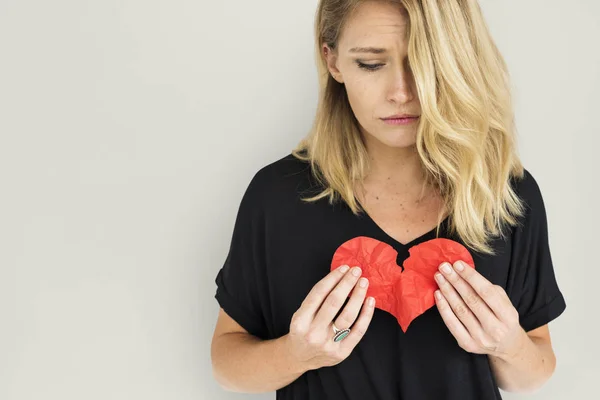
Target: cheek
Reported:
[(363, 97), (364, 87)]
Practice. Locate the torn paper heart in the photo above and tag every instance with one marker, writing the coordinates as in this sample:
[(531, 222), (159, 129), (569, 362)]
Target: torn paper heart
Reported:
[(405, 292)]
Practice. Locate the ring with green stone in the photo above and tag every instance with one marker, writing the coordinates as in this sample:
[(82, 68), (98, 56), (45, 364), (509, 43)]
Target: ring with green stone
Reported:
[(340, 334)]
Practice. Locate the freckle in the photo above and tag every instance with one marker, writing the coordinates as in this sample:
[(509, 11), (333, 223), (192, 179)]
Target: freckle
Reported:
[(377, 197)]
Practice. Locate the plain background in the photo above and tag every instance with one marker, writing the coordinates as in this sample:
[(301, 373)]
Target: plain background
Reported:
[(129, 131)]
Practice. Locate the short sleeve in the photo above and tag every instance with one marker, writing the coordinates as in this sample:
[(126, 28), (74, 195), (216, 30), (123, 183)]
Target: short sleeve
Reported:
[(241, 277), (536, 294)]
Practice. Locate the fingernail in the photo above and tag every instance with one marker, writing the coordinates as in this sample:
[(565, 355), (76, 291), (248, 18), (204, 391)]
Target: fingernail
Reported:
[(362, 282), (459, 266), (446, 268), (356, 271), (344, 268), (371, 301)]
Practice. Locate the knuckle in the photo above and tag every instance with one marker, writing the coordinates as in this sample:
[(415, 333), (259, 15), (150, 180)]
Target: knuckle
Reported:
[(360, 330), (350, 281), (489, 290), (471, 299), (343, 353), (313, 338), (468, 346), (344, 320), (318, 291), (454, 278), (338, 355), (498, 333), (362, 325), (296, 325), (365, 282), (296, 315), (461, 310), (334, 301), (489, 346), (327, 349), (484, 341), (514, 315), (331, 348), (443, 305)]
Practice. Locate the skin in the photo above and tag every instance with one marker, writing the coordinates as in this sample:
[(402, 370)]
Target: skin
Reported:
[(396, 176), (483, 320), (521, 360), (386, 91)]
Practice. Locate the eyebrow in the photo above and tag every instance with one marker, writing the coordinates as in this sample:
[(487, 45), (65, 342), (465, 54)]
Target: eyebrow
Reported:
[(374, 50)]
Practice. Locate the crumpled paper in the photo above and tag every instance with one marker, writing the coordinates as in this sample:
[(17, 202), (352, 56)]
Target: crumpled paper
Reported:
[(405, 292)]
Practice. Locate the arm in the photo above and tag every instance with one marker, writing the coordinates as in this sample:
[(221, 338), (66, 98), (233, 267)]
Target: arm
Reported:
[(530, 366), (246, 364)]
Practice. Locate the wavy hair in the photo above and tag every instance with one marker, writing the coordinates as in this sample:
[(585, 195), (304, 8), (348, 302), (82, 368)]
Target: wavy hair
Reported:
[(466, 137)]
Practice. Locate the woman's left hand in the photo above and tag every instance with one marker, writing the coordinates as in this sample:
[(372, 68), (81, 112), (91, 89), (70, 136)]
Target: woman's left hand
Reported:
[(478, 313)]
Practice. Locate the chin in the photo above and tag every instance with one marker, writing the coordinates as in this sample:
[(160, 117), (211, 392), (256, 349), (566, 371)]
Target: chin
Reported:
[(398, 140), (401, 145), (396, 137)]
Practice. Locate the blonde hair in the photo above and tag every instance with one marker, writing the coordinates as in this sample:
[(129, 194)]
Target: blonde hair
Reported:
[(466, 137)]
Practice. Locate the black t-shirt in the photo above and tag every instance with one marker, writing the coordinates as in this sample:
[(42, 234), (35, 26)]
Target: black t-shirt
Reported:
[(281, 247)]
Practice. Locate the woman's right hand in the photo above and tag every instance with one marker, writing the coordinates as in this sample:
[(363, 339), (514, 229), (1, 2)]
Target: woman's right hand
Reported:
[(310, 340)]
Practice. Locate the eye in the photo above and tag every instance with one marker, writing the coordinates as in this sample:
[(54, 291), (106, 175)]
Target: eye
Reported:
[(369, 67)]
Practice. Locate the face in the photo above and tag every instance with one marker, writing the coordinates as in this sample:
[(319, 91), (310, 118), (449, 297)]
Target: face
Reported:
[(378, 81)]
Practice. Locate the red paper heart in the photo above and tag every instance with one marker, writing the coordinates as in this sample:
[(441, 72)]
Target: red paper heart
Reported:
[(407, 293)]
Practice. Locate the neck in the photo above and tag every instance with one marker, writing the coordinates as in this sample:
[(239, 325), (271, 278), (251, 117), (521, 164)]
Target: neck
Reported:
[(397, 167), (396, 175)]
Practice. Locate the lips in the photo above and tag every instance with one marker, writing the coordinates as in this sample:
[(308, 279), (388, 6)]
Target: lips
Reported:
[(401, 117)]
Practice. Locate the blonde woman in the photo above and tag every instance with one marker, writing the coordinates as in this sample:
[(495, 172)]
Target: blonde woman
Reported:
[(413, 139)]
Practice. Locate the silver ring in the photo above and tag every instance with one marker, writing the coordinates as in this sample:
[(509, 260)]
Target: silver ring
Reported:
[(340, 334)]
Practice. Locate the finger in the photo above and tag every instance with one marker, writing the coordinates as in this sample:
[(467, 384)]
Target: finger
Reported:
[(458, 308), (336, 298), (468, 296), (350, 312), (311, 303), (454, 325), (360, 327), (495, 299)]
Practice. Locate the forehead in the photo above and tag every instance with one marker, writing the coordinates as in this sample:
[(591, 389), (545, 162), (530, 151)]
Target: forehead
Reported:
[(375, 23)]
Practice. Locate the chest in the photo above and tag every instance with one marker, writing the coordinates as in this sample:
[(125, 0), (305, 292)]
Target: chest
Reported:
[(302, 241), (404, 220)]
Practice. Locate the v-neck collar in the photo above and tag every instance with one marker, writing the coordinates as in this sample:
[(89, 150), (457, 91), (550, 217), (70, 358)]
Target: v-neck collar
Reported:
[(366, 218)]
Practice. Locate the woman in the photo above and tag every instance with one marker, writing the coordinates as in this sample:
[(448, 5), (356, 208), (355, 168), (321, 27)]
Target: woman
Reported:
[(413, 140)]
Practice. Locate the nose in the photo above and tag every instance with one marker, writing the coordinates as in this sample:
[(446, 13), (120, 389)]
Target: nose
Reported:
[(401, 89)]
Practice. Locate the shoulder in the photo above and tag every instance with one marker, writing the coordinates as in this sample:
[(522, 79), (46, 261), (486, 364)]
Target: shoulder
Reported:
[(528, 190), (285, 169), (533, 217), (281, 180)]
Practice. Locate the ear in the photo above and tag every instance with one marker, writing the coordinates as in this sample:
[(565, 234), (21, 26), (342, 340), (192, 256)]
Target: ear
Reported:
[(331, 58)]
